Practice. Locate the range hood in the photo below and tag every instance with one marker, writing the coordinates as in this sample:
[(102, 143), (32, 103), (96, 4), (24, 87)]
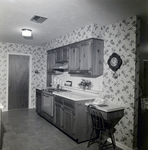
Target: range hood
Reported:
[(60, 67)]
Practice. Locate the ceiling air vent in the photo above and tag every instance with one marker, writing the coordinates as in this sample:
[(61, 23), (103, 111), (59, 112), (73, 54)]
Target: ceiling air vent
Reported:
[(38, 19)]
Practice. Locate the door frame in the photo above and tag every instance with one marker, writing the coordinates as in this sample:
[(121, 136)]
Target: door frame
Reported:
[(29, 88)]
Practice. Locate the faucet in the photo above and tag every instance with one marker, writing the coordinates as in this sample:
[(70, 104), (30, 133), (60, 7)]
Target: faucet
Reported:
[(58, 85)]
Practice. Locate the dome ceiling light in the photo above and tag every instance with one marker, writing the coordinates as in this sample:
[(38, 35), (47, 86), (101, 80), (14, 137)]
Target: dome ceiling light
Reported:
[(26, 32)]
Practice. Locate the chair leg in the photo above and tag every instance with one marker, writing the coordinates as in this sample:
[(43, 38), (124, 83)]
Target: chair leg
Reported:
[(113, 139), (90, 140), (99, 142)]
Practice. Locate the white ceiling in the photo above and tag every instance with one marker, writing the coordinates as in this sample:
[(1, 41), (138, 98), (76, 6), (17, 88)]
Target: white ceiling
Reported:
[(63, 16)]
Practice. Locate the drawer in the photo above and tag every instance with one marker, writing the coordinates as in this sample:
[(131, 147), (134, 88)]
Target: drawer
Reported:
[(69, 103), (58, 99), (112, 115)]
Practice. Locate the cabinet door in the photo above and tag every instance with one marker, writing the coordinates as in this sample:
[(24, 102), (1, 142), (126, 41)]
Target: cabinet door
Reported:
[(49, 79), (69, 122), (58, 55), (97, 57), (38, 102), (74, 58), (58, 118), (53, 58), (50, 64), (65, 53), (50, 60), (88, 124), (61, 54), (85, 55)]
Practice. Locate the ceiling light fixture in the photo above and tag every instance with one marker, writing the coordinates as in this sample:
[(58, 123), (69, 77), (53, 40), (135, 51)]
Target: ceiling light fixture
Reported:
[(26, 32)]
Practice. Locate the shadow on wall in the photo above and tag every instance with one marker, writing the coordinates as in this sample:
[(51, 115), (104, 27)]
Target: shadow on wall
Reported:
[(143, 130), (144, 35), (3, 131)]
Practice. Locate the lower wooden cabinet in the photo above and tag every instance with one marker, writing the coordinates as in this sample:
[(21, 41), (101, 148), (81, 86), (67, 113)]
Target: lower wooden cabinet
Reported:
[(69, 122), (71, 117), (58, 115), (38, 101)]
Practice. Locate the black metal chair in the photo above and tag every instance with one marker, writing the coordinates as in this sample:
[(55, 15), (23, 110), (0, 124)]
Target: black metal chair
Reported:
[(101, 130)]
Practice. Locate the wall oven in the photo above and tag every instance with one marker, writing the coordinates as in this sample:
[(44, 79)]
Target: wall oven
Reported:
[(47, 103)]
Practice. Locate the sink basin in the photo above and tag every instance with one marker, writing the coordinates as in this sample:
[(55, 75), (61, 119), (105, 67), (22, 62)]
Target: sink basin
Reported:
[(62, 90)]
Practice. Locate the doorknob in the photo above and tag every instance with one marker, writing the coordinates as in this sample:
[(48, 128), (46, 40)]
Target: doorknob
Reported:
[(9, 85)]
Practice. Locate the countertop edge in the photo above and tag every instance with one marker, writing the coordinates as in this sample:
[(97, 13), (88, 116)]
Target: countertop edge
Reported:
[(109, 110), (75, 99)]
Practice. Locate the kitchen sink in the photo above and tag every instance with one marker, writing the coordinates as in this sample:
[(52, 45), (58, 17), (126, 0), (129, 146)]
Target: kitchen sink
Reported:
[(51, 89), (62, 90)]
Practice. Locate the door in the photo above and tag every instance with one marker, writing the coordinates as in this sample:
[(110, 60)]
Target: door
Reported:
[(18, 91)]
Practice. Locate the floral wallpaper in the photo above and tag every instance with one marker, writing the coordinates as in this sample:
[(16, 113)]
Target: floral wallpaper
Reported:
[(123, 38), (38, 62), (72, 37)]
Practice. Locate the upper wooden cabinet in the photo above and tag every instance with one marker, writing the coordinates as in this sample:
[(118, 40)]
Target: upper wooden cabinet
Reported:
[(61, 54), (74, 58), (50, 60), (86, 57), (50, 64)]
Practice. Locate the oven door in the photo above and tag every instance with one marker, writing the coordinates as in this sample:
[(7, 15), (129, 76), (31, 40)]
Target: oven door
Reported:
[(47, 103)]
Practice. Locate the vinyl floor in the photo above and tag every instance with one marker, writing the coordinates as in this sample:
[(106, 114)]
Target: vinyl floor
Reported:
[(25, 130)]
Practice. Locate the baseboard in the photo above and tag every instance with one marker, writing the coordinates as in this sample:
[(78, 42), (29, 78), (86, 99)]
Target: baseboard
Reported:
[(4, 110), (122, 146)]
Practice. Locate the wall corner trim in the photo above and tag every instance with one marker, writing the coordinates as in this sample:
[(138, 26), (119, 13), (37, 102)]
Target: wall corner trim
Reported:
[(122, 146)]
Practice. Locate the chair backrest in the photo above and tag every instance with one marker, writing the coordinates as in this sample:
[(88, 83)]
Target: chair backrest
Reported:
[(96, 117)]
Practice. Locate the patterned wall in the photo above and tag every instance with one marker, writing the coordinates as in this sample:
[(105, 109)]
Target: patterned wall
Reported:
[(123, 38), (120, 37), (38, 62), (72, 37)]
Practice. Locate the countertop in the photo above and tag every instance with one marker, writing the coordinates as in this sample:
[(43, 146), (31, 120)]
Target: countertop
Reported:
[(76, 96), (107, 107), (1, 106)]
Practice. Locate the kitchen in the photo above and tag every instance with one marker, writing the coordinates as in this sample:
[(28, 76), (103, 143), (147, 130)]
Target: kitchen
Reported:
[(110, 89)]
